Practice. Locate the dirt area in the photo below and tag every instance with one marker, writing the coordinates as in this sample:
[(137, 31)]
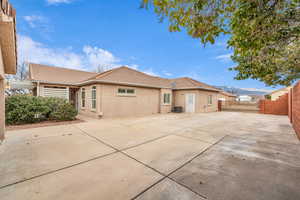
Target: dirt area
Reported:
[(224, 155)]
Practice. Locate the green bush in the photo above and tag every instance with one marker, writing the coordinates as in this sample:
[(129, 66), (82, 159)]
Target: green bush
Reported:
[(23, 109)]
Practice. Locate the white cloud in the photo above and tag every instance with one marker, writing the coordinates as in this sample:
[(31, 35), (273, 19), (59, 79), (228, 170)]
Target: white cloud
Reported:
[(32, 51), (96, 57), (166, 73), (34, 20), (224, 57), (150, 72), (133, 66), (40, 24), (58, 1), (90, 58)]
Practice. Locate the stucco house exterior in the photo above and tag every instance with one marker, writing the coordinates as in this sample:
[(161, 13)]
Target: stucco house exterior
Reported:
[(226, 97), (122, 92), (8, 53), (277, 93)]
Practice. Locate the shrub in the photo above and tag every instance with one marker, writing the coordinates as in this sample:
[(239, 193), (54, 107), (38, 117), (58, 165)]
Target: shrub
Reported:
[(22, 109)]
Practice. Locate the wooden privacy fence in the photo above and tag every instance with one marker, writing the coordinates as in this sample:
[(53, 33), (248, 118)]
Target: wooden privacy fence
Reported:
[(294, 107), (288, 104), (278, 107)]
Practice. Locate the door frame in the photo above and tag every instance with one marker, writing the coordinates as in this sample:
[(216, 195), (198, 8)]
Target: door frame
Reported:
[(187, 109)]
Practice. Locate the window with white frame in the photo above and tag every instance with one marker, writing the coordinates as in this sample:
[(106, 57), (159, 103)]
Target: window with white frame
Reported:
[(210, 99), (126, 91), (93, 99), (167, 98), (83, 97)]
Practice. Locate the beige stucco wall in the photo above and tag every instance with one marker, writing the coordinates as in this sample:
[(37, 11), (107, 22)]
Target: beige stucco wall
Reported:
[(165, 108), (145, 102), (277, 94), (2, 99), (201, 100)]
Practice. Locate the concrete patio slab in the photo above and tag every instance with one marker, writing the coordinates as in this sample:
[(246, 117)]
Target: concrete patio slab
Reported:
[(23, 159), (270, 137), (259, 158), (126, 136), (113, 177), (169, 153), (14, 136), (169, 190), (204, 136), (244, 169)]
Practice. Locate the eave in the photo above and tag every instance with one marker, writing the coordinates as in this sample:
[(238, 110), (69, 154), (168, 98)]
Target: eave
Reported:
[(8, 39)]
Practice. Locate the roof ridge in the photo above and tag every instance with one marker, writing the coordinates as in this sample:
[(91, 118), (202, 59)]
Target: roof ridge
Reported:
[(193, 81), (143, 73), (102, 74)]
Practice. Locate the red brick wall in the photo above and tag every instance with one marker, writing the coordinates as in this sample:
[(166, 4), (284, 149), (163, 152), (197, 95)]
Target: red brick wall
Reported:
[(278, 107), (295, 112)]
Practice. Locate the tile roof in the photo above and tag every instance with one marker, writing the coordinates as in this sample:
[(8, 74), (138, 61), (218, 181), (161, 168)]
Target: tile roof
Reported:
[(130, 76), (60, 75), (189, 83), (120, 75)]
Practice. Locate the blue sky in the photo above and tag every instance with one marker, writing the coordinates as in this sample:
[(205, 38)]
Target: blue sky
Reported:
[(84, 34)]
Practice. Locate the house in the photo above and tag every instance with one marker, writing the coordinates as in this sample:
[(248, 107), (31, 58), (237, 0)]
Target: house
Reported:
[(277, 93), (8, 53), (122, 91), (244, 98), (226, 97)]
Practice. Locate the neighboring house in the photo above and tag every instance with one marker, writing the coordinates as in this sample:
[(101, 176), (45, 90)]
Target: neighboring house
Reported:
[(8, 54), (244, 98), (122, 91), (256, 97), (277, 93), (226, 97)]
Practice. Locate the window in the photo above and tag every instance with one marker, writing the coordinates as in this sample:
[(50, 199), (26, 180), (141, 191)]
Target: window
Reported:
[(94, 102), (167, 98), (82, 97), (210, 99), (126, 91)]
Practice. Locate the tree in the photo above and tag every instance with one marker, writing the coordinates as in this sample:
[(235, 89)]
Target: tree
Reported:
[(21, 75), (264, 34)]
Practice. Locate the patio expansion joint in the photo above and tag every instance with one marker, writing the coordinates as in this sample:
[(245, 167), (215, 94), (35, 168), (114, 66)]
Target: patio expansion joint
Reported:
[(194, 139), (116, 150), (168, 175), (164, 176), (57, 170)]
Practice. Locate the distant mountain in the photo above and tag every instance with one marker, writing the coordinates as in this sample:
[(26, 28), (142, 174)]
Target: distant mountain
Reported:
[(244, 91)]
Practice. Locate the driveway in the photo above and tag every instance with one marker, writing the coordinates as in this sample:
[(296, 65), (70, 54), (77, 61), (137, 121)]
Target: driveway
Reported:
[(224, 155)]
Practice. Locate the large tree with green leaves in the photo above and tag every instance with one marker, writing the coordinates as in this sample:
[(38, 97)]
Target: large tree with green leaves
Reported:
[(264, 34)]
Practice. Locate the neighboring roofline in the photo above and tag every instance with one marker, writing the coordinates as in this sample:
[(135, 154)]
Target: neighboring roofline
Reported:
[(228, 94), (279, 90)]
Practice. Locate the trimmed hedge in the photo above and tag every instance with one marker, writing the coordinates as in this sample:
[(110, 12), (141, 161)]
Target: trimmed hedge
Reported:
[(24, 109)]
